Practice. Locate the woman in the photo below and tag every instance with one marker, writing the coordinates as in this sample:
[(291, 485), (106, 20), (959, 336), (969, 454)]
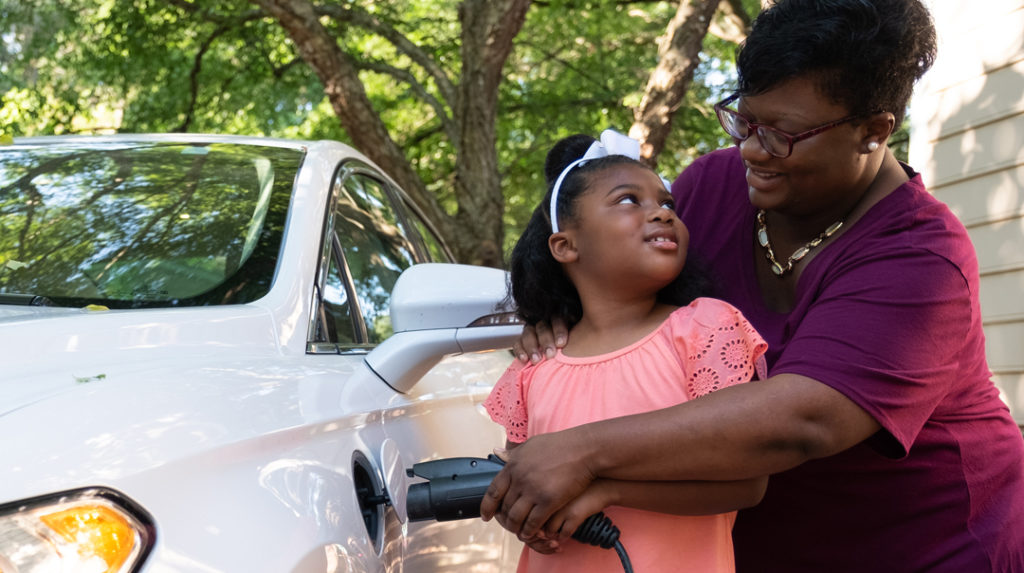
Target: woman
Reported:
[(888, 445)]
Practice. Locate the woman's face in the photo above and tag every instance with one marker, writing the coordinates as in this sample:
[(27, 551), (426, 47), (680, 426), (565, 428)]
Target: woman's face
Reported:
[(825, 174)]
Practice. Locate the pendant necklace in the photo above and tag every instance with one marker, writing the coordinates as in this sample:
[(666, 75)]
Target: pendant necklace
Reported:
[(781, 269)]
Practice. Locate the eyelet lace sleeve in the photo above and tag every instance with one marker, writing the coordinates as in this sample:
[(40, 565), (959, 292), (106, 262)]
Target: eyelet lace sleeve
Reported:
[(507, 404), (726, 350)]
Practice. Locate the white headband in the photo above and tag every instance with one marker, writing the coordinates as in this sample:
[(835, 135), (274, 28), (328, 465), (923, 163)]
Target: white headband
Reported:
[(612, 143)]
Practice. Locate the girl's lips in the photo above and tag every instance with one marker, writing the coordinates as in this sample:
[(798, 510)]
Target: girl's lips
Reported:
[(663, 243)]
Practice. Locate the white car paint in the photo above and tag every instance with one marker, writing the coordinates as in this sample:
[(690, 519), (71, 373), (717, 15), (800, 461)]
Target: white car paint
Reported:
[(237, 442)]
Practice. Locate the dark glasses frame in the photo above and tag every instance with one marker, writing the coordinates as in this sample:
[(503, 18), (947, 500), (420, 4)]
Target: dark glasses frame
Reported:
[(761, 129)]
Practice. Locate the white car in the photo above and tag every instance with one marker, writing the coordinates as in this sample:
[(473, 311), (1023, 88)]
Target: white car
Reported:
[(223, 354)]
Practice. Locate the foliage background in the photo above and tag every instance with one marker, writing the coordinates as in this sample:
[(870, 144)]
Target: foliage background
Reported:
[(92, 66)]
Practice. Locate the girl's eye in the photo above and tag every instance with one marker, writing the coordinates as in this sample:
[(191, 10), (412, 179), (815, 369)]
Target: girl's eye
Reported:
[(628, 199), (669, 204)]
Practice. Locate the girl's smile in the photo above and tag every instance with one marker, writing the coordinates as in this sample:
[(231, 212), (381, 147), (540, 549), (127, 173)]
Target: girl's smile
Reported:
[(663, 240)]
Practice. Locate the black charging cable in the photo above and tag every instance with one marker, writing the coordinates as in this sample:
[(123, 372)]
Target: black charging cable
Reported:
[(456, 486), (600, 531)]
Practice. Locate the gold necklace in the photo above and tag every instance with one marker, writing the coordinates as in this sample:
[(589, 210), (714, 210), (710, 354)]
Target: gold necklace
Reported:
[(778, 268)]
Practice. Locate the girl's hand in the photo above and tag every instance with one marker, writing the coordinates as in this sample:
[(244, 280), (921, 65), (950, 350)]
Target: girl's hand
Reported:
[(542, 544), (540, 340), (540, 477), (567, 520)]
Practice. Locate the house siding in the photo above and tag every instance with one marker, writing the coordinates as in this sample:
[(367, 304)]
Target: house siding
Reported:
[(967, 140)]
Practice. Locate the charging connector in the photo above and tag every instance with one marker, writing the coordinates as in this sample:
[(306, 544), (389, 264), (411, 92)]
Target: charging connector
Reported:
[(456, 486)]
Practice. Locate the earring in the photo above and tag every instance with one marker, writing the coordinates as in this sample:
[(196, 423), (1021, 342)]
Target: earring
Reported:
[(872, 145)]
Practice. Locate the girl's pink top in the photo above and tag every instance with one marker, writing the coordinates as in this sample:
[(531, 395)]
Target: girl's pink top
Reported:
[(700, 348)]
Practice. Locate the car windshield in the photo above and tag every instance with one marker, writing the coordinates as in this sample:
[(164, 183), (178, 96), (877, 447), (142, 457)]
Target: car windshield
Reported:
[(142, 224)]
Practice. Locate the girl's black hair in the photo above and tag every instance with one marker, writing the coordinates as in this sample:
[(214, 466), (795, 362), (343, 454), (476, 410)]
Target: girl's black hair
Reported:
[(539, 287), (865, 54)]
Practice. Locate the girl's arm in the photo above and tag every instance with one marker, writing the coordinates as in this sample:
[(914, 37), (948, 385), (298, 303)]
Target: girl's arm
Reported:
[(682, 497), (672, 497), (807, 420)]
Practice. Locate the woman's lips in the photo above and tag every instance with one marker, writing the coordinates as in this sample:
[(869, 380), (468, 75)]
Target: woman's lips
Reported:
[(761, 179)]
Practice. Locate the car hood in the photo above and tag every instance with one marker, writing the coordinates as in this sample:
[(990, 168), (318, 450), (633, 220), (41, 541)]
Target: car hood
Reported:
[(48, 351)]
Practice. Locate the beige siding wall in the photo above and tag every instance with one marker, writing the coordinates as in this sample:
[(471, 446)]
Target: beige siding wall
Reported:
[(967, 140)]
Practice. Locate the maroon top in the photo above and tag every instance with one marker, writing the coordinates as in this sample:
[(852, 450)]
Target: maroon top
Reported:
[(886, 313)]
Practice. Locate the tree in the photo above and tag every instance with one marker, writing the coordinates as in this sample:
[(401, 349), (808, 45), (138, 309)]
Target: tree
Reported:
[(677, 61), (456, 100)]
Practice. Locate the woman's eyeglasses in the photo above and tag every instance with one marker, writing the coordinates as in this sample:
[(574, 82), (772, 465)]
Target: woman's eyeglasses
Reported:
[(776, 142)]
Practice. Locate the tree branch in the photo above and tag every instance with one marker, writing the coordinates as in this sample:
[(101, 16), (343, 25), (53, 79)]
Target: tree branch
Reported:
[(340, 80), (362, 19), (732, 22), (551, 56), (678, 57), (405, 76), (193, 78)]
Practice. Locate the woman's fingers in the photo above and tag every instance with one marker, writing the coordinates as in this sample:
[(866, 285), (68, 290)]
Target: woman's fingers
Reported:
[(541, 340), (494, 496), (526, 349), (545, 341)]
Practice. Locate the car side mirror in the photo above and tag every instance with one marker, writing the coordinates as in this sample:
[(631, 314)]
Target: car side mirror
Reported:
[(438, 309)]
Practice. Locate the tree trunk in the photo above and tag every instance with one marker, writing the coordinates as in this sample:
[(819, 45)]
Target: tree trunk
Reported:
[(475, 232), (345, 92), (677, 60), (488, 29)]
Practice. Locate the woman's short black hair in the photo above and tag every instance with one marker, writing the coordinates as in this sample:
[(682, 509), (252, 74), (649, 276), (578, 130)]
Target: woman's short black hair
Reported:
[(865, 54), (539, 287)]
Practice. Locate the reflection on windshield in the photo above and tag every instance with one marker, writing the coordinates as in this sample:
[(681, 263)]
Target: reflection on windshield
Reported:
[(132, 225)]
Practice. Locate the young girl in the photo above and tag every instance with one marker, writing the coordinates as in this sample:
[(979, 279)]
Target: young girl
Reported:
[(609, 259)]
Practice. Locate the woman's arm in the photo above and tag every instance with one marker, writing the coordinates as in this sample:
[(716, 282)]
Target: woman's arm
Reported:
[(736, 433)]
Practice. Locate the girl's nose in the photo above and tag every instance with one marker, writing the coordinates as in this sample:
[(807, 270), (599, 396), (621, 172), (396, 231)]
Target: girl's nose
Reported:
[(660, 213)]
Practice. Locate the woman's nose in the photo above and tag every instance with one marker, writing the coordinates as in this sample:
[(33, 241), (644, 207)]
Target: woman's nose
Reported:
[(751, 148)]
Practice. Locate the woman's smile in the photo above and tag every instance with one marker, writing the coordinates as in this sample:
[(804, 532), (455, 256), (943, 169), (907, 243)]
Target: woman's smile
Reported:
[(762, 180)]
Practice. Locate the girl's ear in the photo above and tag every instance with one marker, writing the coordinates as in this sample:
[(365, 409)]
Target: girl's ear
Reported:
[(563, 247)]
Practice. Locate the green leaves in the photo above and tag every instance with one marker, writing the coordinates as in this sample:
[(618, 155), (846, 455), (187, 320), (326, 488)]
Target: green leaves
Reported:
[(69, 66)]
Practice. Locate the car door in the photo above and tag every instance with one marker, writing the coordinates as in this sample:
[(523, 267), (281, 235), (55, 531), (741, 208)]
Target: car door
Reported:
[(371, 235)]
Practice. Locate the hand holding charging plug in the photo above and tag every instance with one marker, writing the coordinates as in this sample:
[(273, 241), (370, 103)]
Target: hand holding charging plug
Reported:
[(456, 486)]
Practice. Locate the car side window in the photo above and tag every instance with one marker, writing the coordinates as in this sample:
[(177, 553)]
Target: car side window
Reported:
[(435, 248), (335, 323), (376, 249)]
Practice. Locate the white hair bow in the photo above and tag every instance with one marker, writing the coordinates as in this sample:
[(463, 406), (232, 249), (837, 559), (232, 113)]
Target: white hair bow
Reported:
[(611, 143)]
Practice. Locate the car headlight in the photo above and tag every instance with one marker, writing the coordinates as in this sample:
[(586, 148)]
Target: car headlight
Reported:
[(92, 530)]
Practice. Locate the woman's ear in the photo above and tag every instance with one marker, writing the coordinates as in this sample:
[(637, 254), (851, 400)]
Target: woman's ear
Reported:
[(563, 247), (878, 128)]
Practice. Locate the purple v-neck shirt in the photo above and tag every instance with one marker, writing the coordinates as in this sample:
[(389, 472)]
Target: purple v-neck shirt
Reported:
[(887, 314)]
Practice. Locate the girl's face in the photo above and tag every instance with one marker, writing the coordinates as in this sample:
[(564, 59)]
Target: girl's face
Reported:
[(825, 173), (626, 232)]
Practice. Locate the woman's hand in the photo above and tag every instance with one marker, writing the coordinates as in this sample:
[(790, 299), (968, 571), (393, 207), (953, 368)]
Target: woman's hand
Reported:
[(540, 477), (540, 340)]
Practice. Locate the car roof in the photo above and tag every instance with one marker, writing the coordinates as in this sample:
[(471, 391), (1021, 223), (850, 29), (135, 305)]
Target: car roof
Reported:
[(306, 145), (184, 137)]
